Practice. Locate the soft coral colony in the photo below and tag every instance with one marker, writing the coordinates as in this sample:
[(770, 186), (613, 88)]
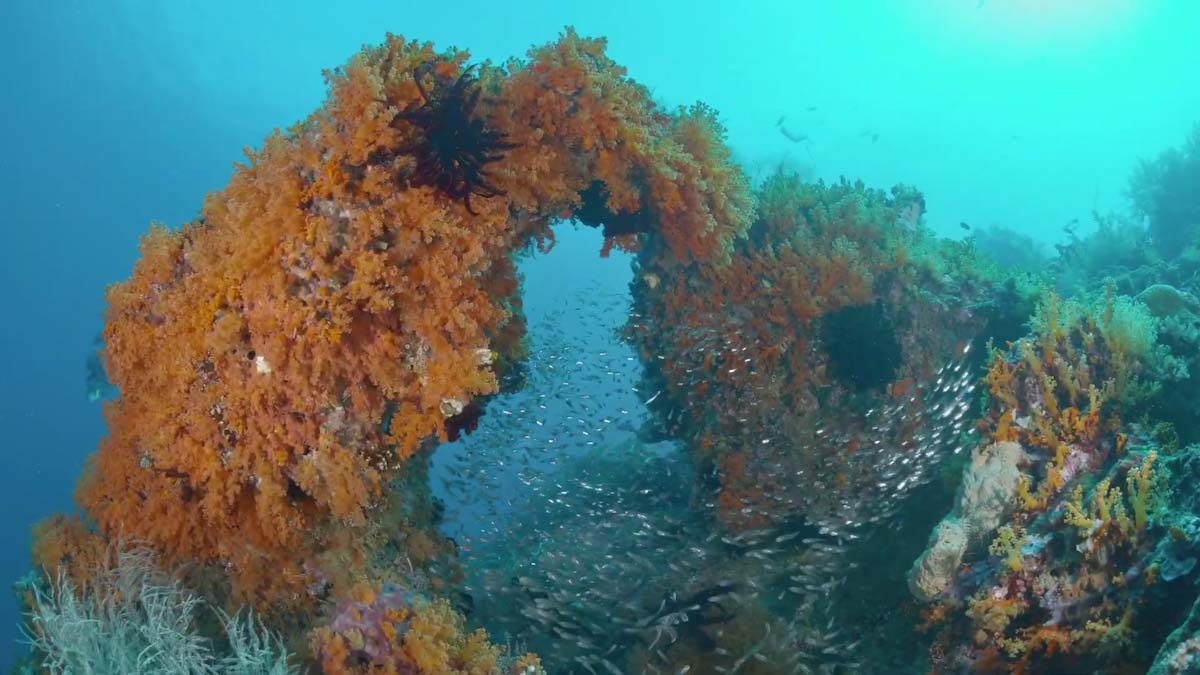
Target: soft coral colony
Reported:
[(343, 301), (1073, 531)]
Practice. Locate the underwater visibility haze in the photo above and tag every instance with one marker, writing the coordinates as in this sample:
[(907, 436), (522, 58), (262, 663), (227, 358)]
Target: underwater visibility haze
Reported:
[(662, 338)]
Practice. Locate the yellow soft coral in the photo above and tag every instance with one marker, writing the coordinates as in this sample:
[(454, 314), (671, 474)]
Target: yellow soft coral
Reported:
[(1141, 484), (1007, 545)]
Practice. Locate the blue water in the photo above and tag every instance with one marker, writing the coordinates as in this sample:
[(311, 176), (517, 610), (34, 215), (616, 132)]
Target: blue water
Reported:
[(1022, 113)]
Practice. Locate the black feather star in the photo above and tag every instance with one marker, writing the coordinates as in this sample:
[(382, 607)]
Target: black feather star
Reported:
[(454, 145)]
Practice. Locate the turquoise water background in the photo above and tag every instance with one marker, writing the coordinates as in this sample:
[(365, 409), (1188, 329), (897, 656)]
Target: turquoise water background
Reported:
[(1020, 113)]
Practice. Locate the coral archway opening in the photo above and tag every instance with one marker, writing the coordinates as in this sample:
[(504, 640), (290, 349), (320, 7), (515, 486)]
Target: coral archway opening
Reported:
[(578, 390)]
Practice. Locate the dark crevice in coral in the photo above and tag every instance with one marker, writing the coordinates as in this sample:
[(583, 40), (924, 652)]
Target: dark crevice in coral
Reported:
[(862, 347), (594, 212), (465, 422)]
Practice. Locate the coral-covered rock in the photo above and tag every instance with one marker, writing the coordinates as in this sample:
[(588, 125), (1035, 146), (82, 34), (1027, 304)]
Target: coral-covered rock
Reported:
[(1086, 525), (392, 630), (985, 498)]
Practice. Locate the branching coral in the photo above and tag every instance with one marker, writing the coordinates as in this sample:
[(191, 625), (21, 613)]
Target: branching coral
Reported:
[(1059, 391), (131, 617)]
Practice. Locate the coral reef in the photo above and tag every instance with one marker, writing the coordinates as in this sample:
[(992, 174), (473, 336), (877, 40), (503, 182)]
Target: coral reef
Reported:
[(825, 382), (339, 303), (286, 361), (1080, 547), (391, 631)]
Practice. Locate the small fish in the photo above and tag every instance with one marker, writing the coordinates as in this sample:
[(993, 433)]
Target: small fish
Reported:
[(964, 226), (789, 134)]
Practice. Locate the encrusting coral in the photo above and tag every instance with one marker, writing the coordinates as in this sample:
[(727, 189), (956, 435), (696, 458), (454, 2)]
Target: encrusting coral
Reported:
[(350, 293)]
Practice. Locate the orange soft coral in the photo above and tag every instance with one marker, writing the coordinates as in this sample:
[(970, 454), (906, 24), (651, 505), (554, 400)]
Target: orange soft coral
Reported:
[(590, 140), (1058, 391), (65, 545), (391, 631)]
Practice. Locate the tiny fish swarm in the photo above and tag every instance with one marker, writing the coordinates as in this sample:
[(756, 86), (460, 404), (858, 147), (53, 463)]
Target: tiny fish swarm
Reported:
[(746, 369)]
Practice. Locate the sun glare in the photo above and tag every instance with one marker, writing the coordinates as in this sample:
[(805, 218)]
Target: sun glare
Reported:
[(1066, 25), (1060, 17)]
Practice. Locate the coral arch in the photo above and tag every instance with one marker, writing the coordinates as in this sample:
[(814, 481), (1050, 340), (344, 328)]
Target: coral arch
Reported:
[(337, 305)]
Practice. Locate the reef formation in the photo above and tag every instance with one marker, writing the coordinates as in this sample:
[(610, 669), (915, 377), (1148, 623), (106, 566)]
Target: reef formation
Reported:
[(903, 457)]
